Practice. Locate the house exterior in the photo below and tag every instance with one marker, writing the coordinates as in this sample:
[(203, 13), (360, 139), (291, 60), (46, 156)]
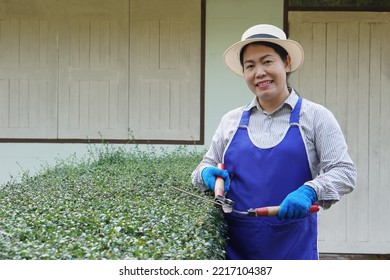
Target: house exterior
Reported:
[(74, 73)]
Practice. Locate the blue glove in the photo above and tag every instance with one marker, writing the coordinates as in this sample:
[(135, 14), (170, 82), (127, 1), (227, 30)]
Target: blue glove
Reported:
[(209, 175), (297, 203)]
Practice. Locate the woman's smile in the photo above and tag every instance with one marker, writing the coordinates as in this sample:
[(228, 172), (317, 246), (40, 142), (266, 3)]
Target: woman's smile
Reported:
[(264, 84)]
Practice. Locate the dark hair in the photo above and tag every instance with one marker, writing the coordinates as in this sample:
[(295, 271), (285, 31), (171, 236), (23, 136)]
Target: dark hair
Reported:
[(278, 49)]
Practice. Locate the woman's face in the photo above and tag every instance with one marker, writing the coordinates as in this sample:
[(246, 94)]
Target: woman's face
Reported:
[(265, 74)]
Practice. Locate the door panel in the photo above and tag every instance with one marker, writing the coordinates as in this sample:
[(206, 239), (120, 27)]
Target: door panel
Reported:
[(347, 61), (93, 92), (28, 54), (65, 68), (165, 69)]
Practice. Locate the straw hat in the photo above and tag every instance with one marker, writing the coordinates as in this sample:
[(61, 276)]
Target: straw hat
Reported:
[(263, 33)]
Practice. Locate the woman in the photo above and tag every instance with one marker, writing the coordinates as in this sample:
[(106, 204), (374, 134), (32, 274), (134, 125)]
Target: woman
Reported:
[(280, 149)]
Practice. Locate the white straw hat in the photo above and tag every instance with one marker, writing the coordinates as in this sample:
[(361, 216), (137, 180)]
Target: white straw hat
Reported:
[(263, 33)]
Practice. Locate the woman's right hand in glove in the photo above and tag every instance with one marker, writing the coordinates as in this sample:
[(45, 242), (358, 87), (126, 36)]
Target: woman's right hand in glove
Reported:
[(209, 175)]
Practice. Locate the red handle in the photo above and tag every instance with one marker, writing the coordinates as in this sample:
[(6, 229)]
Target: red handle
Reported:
[(314, 208), (219, 188), (273, 210)]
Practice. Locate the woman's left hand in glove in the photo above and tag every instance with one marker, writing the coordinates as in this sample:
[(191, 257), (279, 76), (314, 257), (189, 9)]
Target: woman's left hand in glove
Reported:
[(297, 203)]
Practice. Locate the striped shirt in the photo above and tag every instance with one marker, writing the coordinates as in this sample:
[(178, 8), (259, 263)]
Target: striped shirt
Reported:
[(333, 171)]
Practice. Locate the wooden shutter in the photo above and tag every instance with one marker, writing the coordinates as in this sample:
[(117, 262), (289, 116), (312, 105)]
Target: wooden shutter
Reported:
[(165, 69), (27, 80), (65, 69), (93, 67), (347, 69)]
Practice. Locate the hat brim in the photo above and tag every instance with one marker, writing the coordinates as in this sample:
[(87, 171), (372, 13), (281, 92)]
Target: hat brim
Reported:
[(293, 48)]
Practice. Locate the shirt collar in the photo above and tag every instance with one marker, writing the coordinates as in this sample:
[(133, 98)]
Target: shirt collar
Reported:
[(291, 101)]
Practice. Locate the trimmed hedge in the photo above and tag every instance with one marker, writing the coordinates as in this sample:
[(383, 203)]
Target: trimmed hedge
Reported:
[(112, 204)]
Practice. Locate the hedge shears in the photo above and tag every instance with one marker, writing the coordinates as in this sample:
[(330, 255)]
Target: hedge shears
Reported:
[(227, 205)]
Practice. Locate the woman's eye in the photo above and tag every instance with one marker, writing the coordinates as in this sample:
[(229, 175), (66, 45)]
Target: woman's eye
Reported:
[(266, 62)]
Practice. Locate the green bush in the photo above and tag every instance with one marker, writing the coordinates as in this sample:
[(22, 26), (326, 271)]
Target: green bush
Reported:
[(112, 204)]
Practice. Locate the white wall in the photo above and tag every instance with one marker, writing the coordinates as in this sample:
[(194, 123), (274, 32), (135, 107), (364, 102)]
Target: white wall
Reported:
[(17, 158)]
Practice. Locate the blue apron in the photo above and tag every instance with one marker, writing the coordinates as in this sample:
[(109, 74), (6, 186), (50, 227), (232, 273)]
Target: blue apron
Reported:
[(264, 177)]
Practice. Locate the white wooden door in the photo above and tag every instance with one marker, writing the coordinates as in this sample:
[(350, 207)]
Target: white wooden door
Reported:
[(347, 69), (165, 69), (28, 55), (65, 68), (93, 67)]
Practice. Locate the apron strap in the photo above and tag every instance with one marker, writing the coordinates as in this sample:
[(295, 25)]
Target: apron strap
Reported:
[(244, 122), (295, 113)]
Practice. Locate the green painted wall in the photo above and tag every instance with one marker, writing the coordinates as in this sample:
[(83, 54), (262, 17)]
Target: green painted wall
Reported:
[(226, 21)]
